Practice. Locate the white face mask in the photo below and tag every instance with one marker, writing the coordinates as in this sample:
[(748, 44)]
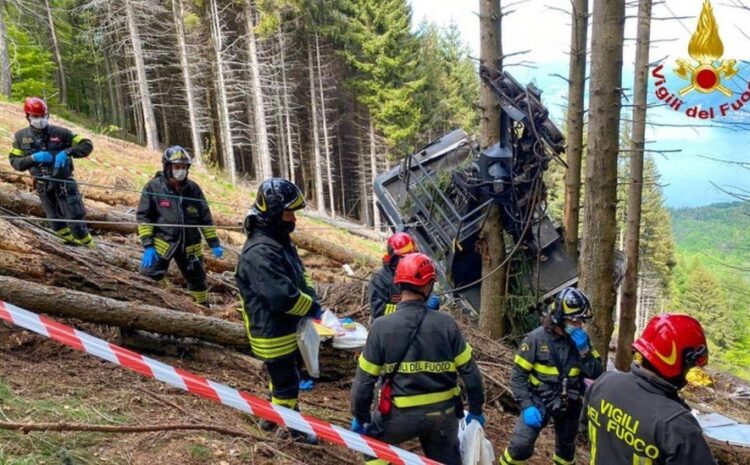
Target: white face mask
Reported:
[(179, 175), (39, 123)]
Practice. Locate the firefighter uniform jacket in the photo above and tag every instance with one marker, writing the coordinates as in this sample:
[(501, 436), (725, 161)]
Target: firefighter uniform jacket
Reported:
[(384, 295), (276, 293), (637, 418), (536, 379), (428, 374), (160, 204), (53, 139)]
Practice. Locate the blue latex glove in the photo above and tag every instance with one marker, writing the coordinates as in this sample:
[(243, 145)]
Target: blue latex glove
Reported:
[(42, 157), (581, 339), (358, 427), (306, 385), (532, 416), (218, 251), (471, 417), (316, 311), (433, 303), (61, 159), (149, 257)]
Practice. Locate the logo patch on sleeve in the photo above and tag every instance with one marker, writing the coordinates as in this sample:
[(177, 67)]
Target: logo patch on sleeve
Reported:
[(164, 203)]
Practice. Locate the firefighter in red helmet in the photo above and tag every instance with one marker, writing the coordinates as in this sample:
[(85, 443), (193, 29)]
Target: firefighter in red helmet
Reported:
[(384, 294), (418, 355), (638, 417), (47, 152)]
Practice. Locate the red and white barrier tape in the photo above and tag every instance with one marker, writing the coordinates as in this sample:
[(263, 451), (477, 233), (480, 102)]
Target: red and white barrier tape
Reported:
[(203, 387)]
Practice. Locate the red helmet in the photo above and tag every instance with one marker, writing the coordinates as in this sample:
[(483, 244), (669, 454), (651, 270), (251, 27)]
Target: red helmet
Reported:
[(34, 106), (673, 343), (416, 269), (399, 244)]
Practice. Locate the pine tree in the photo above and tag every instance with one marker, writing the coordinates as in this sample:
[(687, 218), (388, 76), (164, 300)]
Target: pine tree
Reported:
[(704, 299)]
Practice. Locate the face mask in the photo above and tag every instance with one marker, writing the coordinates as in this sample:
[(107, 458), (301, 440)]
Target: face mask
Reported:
[(288, 226), (39, 123), (179, 175)]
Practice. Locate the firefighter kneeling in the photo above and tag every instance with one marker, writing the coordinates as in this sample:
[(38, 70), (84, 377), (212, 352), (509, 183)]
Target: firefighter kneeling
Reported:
[(384, 294), (547, 379), (417, 353), (638, 418)]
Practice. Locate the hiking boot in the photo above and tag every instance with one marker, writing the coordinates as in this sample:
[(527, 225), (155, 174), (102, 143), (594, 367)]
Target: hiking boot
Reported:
[(266, 425)]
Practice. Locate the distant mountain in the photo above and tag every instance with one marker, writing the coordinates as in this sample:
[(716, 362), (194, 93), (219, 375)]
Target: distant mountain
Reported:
[(719, 233)]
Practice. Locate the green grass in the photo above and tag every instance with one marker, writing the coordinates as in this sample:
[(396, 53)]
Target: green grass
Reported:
[(200, 452)]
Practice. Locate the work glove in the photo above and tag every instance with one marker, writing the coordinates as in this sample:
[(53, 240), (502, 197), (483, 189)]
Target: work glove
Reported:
[(218, 251), (358, 427), (532, 416), (149, 257), (316, 311), (433, 303), (478, 418), (42, 157), (61, 159), (306, 385), (581, 339)]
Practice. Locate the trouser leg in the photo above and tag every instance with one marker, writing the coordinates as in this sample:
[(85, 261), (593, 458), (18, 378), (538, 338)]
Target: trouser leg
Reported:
[(566, 429), (191, 267), (401, 426), (49, 199), (521, 446), (284, 380), (157, 271), (71, 205), (440, 443)]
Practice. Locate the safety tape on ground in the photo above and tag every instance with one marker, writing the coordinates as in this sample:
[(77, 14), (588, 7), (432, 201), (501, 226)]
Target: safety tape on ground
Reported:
[(203, 387)]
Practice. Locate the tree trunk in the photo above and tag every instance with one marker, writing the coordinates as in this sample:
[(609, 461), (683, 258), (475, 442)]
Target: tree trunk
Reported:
[(491, 243), (221, 93), (326, 145), (5, 74), (286, 109), (629, 301), (61, 81), (576, 91), (178, 12), (363, 199), (320, 197), (600, 225), (263, 167), (374, 172)]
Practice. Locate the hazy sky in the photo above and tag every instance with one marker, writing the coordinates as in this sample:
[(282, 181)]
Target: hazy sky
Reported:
[(545, 33)]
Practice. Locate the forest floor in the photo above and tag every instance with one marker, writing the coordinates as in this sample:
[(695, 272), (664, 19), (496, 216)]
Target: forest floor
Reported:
[(42, 381)]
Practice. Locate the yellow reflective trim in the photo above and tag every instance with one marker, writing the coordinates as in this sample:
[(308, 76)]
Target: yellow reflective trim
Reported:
[(422, 366), (302, 306), (464, 357), (209, 232), (246, 319), (16, 152), (369, 367), (425, 399), (639, 460), (523, 363), (271, 342), (534, 380), (309, 281), (161, 246), (575, 371), (377, 462), (77, 139), (288, 403), (194, 249), (199, 296), (275, 352), (145, 231), (556, 459), (298, 202), (390, 308), (595, 353), (546, 369), (509, 460)]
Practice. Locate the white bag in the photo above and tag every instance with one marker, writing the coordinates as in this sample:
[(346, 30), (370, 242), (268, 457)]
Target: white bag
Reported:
[(309, 346), (352, 339), (475, 448)]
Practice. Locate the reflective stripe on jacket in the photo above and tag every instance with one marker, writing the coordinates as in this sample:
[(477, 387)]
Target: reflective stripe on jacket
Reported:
[(53, 139), (383, 294)]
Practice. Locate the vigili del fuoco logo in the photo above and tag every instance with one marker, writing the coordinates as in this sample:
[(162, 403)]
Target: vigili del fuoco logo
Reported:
[(701, 87)]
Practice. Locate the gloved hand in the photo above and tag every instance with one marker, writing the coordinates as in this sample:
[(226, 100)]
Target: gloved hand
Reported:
[(532, 416), (61, 159), (471, 417), (218, 251), (581, 339), (433, 303), (306, 385), (358, 427), (316, 311), (149, 257), (42, 157)]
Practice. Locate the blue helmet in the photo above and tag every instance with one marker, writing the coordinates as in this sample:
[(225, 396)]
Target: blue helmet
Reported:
[(572, 303)]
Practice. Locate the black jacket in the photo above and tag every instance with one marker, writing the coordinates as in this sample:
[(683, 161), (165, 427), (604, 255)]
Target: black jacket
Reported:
[(429, 373), (276, 293), (53, 139), (383, 294), (160, 204), (535, 378), (638, 418)]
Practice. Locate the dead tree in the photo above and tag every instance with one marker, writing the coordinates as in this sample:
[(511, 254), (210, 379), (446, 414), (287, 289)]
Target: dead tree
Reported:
[(374, 172), (491, 243), (600, 225), (574, 153), (263, 166), (5, 75), (318, 168), (629, 301), (326, 144)]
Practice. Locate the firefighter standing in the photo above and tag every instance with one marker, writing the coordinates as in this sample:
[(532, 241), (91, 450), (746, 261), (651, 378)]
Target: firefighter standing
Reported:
[(547, 379), (171, 200), (276, 291), (424, 390), (47, 152), (382, 292), (638, 418)]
